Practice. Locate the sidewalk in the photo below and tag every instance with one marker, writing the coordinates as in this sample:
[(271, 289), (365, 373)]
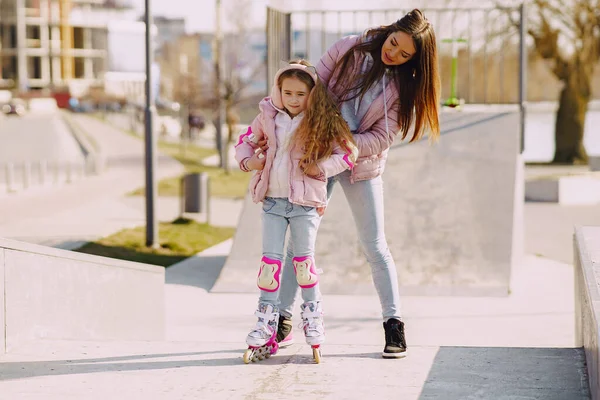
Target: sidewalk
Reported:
[(53, 215)]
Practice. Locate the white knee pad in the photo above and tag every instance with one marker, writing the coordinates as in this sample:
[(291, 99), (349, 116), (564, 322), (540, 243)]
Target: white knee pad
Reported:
[(306, 272), (268, 275)]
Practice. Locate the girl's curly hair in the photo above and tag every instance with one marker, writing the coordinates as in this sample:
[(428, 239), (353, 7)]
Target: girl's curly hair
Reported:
[(322, 126)]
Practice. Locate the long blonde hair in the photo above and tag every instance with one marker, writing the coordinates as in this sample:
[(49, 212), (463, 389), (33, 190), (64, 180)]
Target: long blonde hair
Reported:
[(322, 126)]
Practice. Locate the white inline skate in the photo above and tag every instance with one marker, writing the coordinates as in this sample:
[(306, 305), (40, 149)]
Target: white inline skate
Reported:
[(262, 340), (314, 330)]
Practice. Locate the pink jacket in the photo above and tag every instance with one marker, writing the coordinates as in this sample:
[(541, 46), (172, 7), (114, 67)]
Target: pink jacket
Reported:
[(373, 137), (304, 190)]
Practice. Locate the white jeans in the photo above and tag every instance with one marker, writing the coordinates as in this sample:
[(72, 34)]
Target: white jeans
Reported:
[(366, 202)]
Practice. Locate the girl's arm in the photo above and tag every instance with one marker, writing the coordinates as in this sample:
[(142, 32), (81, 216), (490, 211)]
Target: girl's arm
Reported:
[(245, 148), (379, 137), (338, 162)]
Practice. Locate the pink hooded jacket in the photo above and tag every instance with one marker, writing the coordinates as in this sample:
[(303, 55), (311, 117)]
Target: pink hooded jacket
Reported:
[(374, 136), (304, 190)]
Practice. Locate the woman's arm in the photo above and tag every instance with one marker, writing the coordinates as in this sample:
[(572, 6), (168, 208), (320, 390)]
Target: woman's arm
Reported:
[(379, 137), (327, 62)]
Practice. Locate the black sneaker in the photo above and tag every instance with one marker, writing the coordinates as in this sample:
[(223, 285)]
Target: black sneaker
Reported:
[(395, 343), (284, 331)]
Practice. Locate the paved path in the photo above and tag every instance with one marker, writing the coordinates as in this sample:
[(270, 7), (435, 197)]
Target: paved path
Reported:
[(54, 215)]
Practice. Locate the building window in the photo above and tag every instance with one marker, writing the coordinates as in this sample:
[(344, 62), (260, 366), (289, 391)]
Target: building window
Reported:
[(9, 67), (79, 68), (33, 36), (78, 42), (34, 67)]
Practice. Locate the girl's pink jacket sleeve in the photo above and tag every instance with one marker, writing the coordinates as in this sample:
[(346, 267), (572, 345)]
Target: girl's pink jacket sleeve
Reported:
[(338, 162), (245, 148)]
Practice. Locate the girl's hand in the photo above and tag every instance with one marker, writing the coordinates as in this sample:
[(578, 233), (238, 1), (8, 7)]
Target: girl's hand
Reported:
[(257, 161), (263, 145)]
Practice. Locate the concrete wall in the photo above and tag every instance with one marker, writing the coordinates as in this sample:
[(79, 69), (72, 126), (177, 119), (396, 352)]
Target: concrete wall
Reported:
[(587, 300), (453, 215), (57, 294)]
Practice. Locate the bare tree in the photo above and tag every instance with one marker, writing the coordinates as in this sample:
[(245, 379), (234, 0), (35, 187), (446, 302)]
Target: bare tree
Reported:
[(567, 33), (240, 69)]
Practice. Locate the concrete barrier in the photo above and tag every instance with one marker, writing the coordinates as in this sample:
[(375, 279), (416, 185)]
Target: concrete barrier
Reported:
[(47, 293), (587, 300), (95, 160), (564, 190), (594, 163), (453, 217)]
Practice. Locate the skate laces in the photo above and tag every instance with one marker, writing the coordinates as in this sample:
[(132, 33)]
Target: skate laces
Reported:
[(312, 322), (262, 325)]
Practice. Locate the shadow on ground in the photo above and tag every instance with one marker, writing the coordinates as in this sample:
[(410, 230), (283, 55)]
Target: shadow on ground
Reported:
[(507, 373)]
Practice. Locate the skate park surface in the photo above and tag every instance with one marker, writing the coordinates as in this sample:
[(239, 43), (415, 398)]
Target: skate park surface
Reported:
[(517, 345)]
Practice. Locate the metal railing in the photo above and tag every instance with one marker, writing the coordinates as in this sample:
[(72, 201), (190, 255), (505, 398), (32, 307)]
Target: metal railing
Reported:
[(485, 42)]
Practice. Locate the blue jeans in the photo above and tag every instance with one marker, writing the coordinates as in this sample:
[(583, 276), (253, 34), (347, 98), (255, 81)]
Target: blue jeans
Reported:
[(366, 202), (304, 222)]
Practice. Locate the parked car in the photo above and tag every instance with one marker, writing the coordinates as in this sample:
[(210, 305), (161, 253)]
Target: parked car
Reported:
[(13, 108)]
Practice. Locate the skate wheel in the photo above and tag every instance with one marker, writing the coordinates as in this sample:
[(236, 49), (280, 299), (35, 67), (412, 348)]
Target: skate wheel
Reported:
[(248, 356), (317, 354)]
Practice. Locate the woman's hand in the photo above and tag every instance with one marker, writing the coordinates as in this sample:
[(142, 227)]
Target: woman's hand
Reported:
[(310, 170), (321, 211)]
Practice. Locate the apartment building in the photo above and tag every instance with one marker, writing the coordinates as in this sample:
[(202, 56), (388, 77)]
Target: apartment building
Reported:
[(50, 44)]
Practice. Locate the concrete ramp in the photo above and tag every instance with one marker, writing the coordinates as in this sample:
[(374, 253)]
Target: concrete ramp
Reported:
[(453, 217), (46, 293)]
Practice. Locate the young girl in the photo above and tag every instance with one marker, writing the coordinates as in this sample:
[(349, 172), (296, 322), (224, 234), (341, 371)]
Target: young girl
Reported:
[(309, 141)]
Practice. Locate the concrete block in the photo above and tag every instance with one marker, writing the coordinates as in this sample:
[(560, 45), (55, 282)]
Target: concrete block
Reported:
[(565, 190), (450, 217), (587, 300), (2, 316), (59, 294), (594, 163)]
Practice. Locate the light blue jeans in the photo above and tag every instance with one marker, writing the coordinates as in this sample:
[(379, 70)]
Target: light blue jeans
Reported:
[(304, 222), (366, 202)]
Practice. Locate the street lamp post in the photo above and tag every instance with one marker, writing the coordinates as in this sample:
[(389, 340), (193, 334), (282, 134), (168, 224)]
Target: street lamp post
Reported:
[(219, 117), (150, 143)]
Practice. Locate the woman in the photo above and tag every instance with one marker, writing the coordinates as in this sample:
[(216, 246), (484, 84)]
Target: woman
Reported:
[(385, 81)]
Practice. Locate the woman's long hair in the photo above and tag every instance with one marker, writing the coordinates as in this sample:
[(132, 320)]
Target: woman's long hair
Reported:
[(322, 126), (417, 80)]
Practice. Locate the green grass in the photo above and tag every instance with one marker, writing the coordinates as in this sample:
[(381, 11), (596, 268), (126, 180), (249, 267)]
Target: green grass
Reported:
[(179, 240), (232, 185)]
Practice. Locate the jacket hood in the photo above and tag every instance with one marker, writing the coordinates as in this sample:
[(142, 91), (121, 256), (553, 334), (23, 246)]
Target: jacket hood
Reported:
[(276, 90)]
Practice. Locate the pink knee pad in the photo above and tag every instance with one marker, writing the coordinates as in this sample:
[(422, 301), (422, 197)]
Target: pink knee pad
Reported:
[(268, 275), (306, 272)]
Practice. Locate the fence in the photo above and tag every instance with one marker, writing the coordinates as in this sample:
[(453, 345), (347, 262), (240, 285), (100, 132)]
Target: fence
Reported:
[(489, 53), (16, 177)]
